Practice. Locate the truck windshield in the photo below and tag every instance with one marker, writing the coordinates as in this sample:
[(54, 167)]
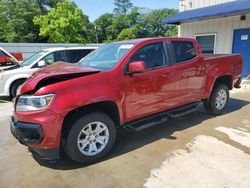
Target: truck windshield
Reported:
[(106, 57), (33, 58)]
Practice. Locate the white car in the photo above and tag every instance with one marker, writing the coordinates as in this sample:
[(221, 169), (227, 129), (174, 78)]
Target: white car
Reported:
[(11, 78)]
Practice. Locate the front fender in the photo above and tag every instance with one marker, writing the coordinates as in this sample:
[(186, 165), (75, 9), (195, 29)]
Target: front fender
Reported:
[(83, 91)]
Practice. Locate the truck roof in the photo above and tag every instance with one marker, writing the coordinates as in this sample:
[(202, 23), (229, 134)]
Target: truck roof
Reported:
[(135, 41)]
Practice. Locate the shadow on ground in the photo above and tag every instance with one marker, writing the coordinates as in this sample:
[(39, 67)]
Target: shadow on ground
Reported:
[(5, 99), (129, 141)]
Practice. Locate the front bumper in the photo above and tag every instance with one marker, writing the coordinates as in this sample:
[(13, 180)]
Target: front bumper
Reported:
[(26, 133), (40, 131), (50, 124), (29, 134), (46, 154)]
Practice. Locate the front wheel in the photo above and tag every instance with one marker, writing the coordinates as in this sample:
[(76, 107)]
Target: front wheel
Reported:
[(218, 100), (90, 138)]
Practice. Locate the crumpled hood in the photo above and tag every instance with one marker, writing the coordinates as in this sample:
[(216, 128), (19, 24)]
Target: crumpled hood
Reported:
[(55, 73)]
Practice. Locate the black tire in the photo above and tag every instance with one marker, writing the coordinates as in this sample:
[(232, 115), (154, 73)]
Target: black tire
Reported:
[(14, 87), (210, 104), (71, 141)]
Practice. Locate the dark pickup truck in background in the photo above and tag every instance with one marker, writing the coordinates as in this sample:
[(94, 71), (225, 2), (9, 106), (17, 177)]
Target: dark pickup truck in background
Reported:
[(132, 84)]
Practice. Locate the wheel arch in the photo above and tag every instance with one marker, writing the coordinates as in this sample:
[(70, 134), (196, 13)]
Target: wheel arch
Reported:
[(108, 107), (211, 84), (225, 79)]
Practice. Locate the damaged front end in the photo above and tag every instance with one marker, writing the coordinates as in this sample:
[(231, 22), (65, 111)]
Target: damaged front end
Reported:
[(44, 77), (60, 78)]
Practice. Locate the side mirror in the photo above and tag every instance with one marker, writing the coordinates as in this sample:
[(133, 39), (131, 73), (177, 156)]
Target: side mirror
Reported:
[(41, 63), (137, 67)]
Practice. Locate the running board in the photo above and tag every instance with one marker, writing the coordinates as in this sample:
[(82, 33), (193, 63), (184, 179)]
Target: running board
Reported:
[(184, 110), (162, 117), (147, 122)]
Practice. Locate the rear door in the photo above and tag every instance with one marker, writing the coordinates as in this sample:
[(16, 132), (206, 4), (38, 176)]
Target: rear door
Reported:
[(190, 72), (154, 90)]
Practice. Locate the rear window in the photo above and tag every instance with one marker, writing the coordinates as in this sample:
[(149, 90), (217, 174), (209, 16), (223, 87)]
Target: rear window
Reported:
[(183, 51)]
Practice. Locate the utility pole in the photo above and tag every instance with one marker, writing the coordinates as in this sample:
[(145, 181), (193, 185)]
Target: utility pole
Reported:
[(96, 33)]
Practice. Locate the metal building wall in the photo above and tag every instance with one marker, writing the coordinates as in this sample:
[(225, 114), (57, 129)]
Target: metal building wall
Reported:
[(28, 49), (222, 27), (193, 4)]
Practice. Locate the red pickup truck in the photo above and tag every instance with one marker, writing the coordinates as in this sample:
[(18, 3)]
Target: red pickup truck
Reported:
[(132, 84)]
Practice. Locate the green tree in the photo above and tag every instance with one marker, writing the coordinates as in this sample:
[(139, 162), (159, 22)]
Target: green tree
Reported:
[(120, 22), (46, 5), (122, 6), (64, 24), (172, 31), (16, 17), (126, 34), (101, 26), (152, 23)]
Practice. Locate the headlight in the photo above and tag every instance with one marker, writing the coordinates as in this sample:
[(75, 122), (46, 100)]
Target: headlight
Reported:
[(33, 103)]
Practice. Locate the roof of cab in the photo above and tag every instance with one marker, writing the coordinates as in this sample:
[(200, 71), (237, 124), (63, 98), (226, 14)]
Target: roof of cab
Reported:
[(136, 41)]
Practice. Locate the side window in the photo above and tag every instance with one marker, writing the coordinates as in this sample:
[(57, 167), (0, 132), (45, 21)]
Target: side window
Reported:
[(153, 55), (183, 51), (60, 56), (54, 57), (76, 55), (49, 59)]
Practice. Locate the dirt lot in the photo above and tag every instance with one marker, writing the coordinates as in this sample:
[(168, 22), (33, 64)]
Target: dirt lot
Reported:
[(197, 150)]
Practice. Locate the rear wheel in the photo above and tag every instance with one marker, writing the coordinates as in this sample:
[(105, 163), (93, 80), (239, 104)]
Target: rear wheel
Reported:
[(90, 138), (218, 100), (14, 88)]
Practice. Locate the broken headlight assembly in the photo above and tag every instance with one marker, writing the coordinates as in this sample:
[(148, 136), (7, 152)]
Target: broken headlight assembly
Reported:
[(33, 103)]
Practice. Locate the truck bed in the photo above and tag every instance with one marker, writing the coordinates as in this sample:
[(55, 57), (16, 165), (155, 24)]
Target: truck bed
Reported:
[(227, 64), (213, 56)]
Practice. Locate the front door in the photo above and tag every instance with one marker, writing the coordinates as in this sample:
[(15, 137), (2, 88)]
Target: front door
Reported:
[(154, 90), (241, 44)]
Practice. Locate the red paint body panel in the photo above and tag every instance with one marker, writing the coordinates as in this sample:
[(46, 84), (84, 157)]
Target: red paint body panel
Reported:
[(135, 96), (51, 125)]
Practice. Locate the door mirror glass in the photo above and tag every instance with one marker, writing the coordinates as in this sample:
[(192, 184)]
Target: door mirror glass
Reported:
[(41, 63), (137, 67)]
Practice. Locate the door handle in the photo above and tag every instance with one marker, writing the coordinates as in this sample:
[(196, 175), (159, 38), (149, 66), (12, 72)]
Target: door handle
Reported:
[(165, 75)]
